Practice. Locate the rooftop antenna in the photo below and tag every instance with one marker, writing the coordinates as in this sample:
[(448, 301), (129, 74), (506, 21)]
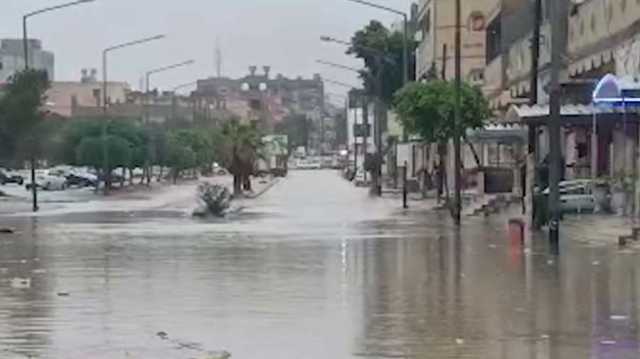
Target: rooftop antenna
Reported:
[(218, 58)]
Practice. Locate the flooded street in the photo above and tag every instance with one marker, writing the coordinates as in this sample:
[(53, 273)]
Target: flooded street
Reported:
[(314, 268)]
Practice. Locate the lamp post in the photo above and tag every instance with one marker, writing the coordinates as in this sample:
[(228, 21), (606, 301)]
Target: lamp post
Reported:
[(25, 44), (105, 99), (173, 97), (148, 104)]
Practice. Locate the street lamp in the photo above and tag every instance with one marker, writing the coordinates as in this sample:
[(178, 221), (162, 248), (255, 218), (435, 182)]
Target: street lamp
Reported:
[(25, 18), (105, 98), (375, 52), (405, 40), (174, 99), (25, 44), (343, 67), (147, 105), (158, 70)]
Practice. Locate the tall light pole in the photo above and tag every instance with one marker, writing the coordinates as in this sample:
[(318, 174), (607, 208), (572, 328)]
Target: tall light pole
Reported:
[(158, 70), (457, 212), (25, 44), (557, 34), (173, 100), (105, 99), (147, 104)]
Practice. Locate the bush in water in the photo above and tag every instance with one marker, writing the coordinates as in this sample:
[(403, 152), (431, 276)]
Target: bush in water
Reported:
[(216, 199)]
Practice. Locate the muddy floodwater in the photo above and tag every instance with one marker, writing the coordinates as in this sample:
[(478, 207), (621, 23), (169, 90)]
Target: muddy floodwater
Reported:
[(313, 269)]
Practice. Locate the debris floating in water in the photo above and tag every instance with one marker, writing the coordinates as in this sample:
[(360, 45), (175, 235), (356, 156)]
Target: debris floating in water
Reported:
[(21, 283), (459, 341)]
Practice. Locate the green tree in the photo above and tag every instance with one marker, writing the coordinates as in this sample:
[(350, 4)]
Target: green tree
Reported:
[(180, 156), (82, 144), (427, 109), (21, 113), (240, 151), (375, 36), (90, 152), (201, 142)]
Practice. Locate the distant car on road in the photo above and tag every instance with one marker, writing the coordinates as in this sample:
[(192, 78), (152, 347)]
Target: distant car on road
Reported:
[(7, 176)]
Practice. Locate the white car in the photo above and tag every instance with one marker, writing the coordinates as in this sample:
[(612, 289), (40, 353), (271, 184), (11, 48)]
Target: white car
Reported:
[(48, 182), (576, 196)]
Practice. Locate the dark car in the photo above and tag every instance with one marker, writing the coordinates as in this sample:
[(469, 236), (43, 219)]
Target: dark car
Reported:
[(80, 181), (10, 178)]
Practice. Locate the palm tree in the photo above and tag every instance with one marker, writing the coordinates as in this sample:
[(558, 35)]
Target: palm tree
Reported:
[(240, 146)]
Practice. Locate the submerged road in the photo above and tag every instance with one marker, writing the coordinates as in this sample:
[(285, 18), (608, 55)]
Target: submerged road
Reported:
[(314, 268)]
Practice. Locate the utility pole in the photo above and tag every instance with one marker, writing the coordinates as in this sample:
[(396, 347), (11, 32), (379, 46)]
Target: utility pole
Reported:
[(365, 135), (533, 100), (378, 126), (458, 120), (557, 12)]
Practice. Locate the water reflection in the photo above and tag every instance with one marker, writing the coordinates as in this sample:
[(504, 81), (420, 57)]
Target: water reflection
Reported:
[(336, 275)]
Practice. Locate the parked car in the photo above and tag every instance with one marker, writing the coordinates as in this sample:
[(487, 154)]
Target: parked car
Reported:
[(48, 182), (578, 195), (7, 176), (82, 179)]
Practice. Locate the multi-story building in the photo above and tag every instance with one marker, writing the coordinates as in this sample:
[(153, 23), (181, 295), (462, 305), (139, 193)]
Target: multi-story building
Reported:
[(65, 97), (12, 58), (265, 99), (436, 32), (259, 94)]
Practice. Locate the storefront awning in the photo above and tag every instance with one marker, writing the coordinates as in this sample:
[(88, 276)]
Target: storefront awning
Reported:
[(499, 133), (577, 114)]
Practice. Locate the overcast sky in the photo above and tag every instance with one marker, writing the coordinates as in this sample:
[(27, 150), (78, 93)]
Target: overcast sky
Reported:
[(281, 33)]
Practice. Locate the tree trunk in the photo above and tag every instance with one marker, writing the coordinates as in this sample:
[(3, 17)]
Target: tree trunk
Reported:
[(130, 176), (473, 151), (124, 175), (161, 173), (247, 183), (176, 173), (442, 149), (149, 169), (237, 185)]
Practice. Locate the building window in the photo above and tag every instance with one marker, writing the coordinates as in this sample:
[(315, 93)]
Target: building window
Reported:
[(581, 27), (477, 21), (427, 22), (623, 5), (593, 23), (609, 13)]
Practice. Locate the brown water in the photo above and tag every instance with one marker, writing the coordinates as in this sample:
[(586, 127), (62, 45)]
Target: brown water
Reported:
[(313, 269)]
